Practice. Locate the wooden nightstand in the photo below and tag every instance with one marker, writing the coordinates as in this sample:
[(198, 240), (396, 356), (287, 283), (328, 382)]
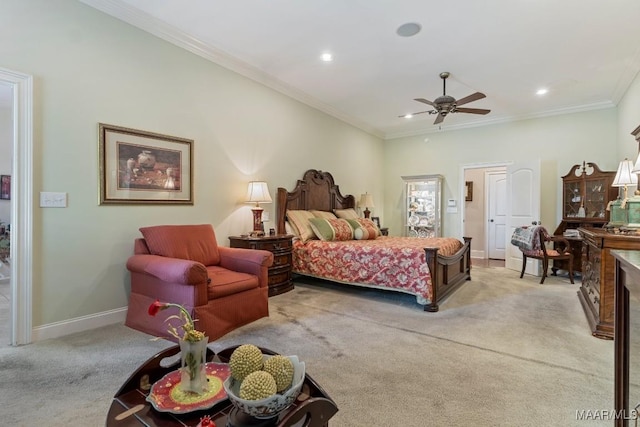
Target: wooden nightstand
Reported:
[(383, 230), (281, 245)]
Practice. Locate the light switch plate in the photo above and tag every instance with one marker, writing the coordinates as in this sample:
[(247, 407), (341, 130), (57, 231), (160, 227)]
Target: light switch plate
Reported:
[(53, 200)]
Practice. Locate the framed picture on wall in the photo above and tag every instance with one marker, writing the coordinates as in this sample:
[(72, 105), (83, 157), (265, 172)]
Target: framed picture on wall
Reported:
[(5, 187), (468, 193), (138, 167)]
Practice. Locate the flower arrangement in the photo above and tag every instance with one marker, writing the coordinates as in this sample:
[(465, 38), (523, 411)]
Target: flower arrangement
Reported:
[(193, 348), (188, 324)]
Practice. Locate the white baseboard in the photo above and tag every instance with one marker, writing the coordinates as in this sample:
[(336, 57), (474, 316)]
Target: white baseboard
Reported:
[(78, 324), (477, 254)]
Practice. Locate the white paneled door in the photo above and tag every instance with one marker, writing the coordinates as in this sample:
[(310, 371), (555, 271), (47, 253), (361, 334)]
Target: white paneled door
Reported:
[(523, 208), (497, 202)]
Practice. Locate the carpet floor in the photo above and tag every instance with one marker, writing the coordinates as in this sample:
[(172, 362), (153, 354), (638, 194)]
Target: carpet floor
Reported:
[(501, 351)]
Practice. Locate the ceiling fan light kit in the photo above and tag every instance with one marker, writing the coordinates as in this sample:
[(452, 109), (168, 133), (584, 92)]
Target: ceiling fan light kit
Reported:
[(446, 104)]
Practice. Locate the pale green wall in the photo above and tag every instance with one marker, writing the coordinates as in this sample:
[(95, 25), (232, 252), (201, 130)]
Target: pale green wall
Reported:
[(560, 142), (88, 68)]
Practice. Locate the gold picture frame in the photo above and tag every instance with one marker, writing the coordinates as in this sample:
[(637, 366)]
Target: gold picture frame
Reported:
[(5, 187), (468, 193), (139, 167)]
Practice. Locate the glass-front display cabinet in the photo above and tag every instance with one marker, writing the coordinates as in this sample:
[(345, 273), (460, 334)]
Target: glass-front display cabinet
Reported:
[(586, 192), (423, 203)]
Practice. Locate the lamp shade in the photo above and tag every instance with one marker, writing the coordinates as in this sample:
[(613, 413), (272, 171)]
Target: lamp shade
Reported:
[(625, 175), (366, 200), (258, 192)]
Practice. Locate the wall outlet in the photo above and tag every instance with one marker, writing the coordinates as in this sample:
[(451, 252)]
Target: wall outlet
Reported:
[(265, 216), (53, 200)]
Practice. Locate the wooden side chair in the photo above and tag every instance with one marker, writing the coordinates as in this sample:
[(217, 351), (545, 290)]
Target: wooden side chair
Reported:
[(543, 250)]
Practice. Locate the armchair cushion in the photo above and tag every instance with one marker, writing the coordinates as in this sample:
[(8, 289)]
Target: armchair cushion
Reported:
[(226, 282), (192, 242)]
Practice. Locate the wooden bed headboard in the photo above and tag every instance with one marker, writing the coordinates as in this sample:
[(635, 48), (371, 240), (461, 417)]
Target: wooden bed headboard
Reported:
[(315, 191)]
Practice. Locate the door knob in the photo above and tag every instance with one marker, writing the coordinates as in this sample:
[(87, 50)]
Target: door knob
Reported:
[(490, 220)]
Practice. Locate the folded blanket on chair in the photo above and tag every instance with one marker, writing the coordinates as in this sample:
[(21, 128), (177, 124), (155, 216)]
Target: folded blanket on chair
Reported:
[(524, 237)]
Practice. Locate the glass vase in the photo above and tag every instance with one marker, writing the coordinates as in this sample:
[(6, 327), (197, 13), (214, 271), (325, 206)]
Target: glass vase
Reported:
[(193, 374)]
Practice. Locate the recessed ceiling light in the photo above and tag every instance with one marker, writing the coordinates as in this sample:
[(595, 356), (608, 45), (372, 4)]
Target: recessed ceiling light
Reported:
[(326, 57), (408, 116), (409, 29), (542, 91)]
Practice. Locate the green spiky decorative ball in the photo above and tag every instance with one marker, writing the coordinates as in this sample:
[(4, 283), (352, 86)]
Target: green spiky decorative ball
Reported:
[(281, 369), (257, 385), (244, 360)]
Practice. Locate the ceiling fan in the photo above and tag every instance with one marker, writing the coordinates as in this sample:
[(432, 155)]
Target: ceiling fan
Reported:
[(446, 104)]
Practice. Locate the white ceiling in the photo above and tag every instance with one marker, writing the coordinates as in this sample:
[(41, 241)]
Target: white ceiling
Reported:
[(586, 52)]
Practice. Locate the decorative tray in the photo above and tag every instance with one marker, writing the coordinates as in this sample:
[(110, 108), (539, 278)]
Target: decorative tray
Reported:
[(167, 396)]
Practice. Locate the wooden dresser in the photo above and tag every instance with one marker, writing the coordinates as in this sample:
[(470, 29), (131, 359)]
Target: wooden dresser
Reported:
[(598, 282), (280, 278)]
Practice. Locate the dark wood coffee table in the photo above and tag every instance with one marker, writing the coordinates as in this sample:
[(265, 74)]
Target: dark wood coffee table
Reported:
[(313, 408)]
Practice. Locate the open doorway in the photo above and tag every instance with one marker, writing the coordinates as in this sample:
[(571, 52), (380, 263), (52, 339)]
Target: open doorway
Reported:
[(6, 168), (21, 210), (484, 213)]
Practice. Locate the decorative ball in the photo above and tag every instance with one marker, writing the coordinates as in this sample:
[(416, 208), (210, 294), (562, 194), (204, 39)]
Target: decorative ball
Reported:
[(257, 385), (281, 369), (244, 360)]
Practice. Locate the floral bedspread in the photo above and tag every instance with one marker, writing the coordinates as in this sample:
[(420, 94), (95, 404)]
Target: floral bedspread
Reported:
[(397, 263)]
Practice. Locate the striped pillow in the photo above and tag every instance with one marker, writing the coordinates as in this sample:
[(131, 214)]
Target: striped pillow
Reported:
[(299, 219), (331, 229), (323, 214), (364, 229), (346, 213)]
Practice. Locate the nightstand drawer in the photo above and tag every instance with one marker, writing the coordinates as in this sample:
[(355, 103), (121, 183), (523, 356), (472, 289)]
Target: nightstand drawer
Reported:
[(282, 245), (279, 277), (280, 260)]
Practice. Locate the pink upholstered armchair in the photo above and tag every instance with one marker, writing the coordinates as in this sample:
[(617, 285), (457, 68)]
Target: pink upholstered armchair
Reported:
[(224, 288)]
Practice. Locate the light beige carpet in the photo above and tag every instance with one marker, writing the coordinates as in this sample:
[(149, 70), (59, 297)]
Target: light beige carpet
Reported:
[(502, 351)]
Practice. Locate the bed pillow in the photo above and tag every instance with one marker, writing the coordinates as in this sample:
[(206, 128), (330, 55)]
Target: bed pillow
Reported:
[(331, 229), (346, 213), (299, 219), (364, 229), (323, 214), (288, 228)]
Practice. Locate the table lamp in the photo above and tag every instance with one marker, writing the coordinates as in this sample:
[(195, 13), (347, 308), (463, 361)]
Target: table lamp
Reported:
[(633, 204), (258, 192), (366, 200), (624, 177)]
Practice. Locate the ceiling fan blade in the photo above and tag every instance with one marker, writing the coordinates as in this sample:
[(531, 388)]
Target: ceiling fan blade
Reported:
[(472, 110), (425, 101), (470, 98), (439, 119), (413, 114)]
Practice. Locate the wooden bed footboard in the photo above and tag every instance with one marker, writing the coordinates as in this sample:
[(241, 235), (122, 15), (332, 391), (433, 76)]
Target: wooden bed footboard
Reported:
[(448, 273)]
